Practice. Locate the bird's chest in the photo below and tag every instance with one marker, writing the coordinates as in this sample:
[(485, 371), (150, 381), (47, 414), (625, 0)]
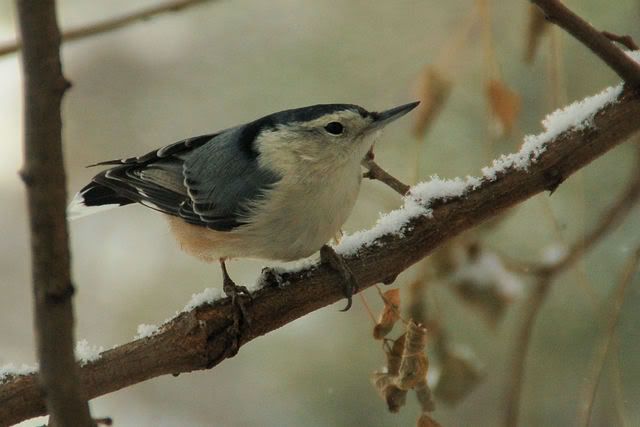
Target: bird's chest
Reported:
[(304, 214)]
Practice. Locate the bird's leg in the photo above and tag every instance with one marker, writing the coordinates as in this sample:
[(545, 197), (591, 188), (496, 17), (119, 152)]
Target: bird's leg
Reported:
[(330, 257), (240, 314)]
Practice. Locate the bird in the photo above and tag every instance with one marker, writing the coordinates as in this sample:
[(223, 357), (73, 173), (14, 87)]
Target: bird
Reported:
[(277, 188)]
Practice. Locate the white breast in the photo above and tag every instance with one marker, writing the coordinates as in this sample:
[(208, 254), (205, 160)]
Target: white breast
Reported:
[(303, 213)]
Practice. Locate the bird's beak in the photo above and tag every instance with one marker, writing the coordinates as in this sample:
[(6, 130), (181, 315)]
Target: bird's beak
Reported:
[(385, 117)]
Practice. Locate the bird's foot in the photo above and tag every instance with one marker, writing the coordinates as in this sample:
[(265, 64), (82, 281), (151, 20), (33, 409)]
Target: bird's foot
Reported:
[(240, 296), (336, 262), (273, 278)]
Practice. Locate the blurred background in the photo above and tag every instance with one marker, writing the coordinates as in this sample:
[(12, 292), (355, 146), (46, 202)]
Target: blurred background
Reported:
[(221, 63)]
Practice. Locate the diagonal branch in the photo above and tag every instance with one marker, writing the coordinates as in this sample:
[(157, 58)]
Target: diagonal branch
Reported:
[(197, 339), (43, 175), (110, 24), (556, 12)]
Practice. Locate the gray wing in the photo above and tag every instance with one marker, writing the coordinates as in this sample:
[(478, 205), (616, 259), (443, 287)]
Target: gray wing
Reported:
[(209, 181)]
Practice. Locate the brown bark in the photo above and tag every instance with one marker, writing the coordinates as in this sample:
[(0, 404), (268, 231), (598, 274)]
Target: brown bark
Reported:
[(43, 175), (598, 42)]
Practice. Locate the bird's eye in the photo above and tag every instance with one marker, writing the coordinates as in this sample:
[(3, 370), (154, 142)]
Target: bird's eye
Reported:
[(334, 128)]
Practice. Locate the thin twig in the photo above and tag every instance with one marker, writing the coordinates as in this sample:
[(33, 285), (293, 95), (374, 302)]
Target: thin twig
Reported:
[(627, 41), (556, 12), (546, 275), (521, 348), (110, 24), (377, 173), (367, 307), (600, 357), (44, 178)]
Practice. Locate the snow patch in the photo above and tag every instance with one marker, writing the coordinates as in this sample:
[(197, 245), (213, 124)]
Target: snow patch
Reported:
[(488, 270), (86, 353), (576, 116), (207, 296), (11, 370), (144, 331), (415, 204)]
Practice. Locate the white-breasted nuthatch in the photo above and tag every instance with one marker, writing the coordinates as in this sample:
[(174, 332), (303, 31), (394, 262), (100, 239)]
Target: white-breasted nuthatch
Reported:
[(277, 188)]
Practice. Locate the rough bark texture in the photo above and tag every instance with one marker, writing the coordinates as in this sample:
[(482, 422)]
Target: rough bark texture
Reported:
[(43, 175), (598, 42), (198, 339)]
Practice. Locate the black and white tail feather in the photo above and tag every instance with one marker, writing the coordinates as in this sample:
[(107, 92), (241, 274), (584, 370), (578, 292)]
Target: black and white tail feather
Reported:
[(124, 184)]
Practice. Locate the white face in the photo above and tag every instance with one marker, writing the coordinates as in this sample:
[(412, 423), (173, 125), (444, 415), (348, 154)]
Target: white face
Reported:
[(330, 140)]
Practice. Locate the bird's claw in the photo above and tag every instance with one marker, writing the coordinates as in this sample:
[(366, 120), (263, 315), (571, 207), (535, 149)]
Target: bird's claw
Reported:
[(239, 295), (336, 262)]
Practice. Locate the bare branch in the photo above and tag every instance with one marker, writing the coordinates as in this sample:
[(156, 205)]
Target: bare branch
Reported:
[(198, 339), (44, 177), (601, 352), (626, 41), (546, 275), (111, 23), (556, 12), (377, 173)]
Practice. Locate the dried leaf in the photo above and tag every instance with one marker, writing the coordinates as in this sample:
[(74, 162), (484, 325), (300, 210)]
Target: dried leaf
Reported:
[(390, 314), (504, 103), (395, 398), (414, 365), (381, 381), (433, 92), (423, 393), (394, 356), (536, 28)]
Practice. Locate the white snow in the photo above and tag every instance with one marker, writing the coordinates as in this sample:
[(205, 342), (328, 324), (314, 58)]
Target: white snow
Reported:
[(442, 189), (11, 370), (144, 330), (207, 296), (86, 353), (488, 270), (416, 203), (576, 116), (393, 222), (553, 253)]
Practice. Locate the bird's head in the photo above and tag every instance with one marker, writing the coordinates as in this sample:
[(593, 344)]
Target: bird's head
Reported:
[(323, 135)]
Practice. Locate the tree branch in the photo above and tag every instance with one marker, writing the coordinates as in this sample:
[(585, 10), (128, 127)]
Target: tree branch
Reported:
[(374, 171), (197, 339), (43, 175), (111, 23), (595, 40), (627, 40)]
